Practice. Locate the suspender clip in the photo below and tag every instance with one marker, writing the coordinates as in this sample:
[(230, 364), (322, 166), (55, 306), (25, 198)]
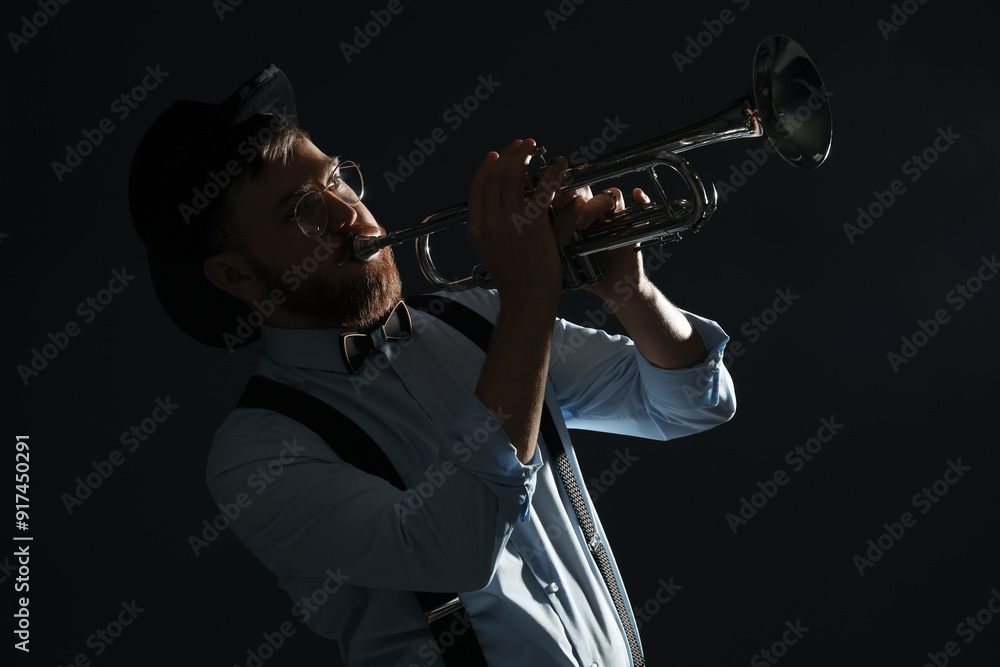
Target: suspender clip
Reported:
[(447, 608)]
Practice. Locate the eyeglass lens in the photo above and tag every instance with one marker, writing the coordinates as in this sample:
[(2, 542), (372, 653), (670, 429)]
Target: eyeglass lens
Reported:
[(310, 213)]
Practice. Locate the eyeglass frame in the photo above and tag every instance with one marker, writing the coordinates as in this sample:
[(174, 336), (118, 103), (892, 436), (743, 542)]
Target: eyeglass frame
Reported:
[(350, 164)]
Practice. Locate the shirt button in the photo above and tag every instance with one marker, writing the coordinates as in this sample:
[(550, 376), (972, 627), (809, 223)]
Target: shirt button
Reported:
[(402, 369), (552, 588)]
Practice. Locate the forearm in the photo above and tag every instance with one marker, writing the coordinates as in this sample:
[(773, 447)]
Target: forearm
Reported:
[(660, 332), (512, 382)]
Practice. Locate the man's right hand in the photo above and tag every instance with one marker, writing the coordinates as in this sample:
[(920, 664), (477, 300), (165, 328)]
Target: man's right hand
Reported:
[(516, 242), (511, 233)]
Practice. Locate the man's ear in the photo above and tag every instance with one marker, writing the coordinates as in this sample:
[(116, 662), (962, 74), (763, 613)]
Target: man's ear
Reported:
[(231, 272)]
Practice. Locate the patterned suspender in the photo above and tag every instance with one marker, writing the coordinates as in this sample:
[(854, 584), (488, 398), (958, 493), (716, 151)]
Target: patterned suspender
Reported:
[(478, 329)]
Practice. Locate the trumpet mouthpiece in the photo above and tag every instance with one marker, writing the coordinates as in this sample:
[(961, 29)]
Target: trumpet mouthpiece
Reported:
[(365, 247)]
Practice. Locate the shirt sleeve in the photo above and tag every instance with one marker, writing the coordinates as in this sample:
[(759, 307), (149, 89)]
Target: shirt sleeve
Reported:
[(603, 383), (303, 511)]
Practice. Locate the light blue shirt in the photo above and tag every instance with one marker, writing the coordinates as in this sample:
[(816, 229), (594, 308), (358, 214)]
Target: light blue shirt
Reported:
[(349, 548)]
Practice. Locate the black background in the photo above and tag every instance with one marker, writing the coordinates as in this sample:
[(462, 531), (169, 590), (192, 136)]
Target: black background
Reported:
[(826, 357)]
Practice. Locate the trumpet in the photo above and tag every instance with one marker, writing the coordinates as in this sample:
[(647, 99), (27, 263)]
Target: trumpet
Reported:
[(787, 103)]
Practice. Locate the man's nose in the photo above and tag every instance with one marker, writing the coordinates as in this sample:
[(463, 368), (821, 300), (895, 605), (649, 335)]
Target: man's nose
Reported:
[(339, 214)]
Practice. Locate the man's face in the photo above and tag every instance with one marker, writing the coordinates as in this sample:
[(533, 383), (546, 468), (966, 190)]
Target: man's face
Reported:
[(322, 284)]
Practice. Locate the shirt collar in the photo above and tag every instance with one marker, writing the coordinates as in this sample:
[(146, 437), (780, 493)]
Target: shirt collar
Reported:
[(305, 348)]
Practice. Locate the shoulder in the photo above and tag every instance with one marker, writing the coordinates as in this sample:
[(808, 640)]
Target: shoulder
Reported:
[(252, 436)]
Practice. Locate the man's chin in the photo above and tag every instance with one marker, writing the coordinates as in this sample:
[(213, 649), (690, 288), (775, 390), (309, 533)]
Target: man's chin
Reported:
[(371, 295)]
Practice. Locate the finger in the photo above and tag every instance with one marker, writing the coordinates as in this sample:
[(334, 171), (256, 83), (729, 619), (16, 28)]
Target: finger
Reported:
[(640, 197), (564, 197), (512, 176), (616, 197), (603, 203), (477, 191), (548, 186), (496, 175), (565, 223)]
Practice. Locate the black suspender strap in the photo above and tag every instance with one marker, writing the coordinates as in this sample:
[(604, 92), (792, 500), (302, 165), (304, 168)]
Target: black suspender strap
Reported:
[(344, 437), (459, 645), (478, 329)]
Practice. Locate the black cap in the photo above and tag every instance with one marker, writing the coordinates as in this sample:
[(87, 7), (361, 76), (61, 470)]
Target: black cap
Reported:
[(179, 171)]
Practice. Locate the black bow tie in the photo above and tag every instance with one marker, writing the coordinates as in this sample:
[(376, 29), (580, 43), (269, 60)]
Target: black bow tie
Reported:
[(355, 347)]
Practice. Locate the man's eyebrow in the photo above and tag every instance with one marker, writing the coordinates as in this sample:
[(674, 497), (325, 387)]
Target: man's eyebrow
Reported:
[(333, 164)]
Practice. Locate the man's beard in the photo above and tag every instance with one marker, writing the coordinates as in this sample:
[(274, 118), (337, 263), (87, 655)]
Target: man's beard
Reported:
[(358, 301)]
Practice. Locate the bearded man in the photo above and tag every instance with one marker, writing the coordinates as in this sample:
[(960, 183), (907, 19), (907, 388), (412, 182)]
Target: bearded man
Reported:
[(476, 494)]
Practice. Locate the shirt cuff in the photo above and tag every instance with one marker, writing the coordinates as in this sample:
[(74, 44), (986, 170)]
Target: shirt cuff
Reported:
[(478, 444), (694, 387)]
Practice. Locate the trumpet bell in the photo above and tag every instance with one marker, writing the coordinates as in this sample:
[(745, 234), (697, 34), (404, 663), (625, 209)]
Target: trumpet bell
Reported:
[(791, 102)]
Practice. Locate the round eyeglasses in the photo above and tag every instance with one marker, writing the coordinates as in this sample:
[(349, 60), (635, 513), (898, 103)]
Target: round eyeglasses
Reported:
[(310, 212)]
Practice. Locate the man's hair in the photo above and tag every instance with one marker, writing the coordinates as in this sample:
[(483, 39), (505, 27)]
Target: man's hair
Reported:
[(269, 140)]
